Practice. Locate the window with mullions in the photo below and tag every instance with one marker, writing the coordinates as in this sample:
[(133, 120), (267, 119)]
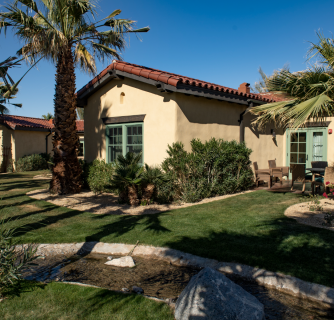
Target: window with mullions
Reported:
[(124, 138)]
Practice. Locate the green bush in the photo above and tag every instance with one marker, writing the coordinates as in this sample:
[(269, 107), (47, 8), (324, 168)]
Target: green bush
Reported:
[(32, 162), (98, 174), (215, 167), (13, 261)]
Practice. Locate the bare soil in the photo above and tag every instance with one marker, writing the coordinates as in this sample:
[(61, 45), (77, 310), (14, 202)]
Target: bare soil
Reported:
[(302, 213), (107, 203), (165, 281)]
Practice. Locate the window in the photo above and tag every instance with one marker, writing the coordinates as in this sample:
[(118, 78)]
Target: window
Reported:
[(81, 148), (124, 138)]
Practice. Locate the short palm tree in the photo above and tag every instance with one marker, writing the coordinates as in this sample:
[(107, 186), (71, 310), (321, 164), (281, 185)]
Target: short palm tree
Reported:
[(307, 95), (66, 33)]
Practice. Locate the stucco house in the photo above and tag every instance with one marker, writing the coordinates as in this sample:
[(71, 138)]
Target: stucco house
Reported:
[(135, 108), (20, 136)]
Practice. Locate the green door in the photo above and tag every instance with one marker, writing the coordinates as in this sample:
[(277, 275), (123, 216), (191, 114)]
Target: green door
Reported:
[(306, 145)]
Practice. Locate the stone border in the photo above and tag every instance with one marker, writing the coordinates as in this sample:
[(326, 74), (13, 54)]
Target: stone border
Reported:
[(279, 281)]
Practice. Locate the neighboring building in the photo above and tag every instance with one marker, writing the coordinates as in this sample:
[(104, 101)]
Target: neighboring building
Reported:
[(135, 108), (20, 136)]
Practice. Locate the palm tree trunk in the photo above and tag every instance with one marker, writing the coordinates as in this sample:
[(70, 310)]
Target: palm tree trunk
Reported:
[(66, 172)]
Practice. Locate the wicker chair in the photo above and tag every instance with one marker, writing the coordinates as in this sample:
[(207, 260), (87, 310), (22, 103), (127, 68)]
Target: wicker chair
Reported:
[(329, 176), (278, 172), (261, 175), (298, 174)]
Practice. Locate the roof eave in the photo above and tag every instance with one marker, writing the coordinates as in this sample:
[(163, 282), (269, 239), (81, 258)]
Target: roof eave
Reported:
[(163, 87)]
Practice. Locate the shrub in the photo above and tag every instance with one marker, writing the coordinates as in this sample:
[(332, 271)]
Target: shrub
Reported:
[(13, 261), (98, 175), (32, 162), (215, 167)]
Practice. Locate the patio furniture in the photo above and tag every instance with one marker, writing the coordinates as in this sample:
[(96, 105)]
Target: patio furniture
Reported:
[(261, 175), (297, 174), (316, 173), (278, 172), (329, 176), (320, 165)]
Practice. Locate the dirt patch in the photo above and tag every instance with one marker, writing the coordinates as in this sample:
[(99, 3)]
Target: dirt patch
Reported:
[(46, 176), (302, 213), (163, 280), (107, 203), (30, 207)]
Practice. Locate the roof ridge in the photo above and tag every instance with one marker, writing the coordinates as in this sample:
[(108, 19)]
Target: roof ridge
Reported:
[(11, 115)]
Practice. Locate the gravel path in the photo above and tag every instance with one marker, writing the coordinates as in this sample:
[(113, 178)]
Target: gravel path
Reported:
[(302, 214)]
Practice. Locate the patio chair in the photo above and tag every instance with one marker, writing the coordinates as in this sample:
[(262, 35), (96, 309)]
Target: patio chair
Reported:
[(278, 172), (319, 164), (298, 174), (261, 175), (329, 176)]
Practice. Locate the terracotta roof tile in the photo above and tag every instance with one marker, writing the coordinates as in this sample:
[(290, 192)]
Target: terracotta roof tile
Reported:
[(171, 79), (28, 122)]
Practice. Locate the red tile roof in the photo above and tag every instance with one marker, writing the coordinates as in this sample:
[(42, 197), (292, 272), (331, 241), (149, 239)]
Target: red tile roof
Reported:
[(15, 122), (168, 78)]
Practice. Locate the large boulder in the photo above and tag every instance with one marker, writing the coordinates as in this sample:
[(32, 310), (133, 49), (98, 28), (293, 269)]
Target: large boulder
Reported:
[(211, 295)]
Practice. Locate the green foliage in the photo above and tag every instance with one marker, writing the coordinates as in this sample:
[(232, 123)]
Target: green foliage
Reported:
[(215, 167), (97, 175), (48, 116), (33, 162), (315, 204), (13, 261), (308, 94)]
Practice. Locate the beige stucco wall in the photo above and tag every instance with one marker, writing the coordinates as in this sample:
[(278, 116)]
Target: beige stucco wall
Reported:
[(139, 98), (202, 118), (29, 142), (263, 145), (330, 142), (172, 117)]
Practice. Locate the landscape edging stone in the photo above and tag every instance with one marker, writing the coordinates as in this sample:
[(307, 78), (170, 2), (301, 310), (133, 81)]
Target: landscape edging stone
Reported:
[(279, 281)]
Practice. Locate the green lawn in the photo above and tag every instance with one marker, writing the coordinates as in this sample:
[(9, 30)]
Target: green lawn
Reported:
[(249, 229), (64, 301)]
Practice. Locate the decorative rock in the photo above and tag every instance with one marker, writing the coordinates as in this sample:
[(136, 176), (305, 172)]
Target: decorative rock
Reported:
[(137, 290), (211, 295), (122, 262), (109, 258)]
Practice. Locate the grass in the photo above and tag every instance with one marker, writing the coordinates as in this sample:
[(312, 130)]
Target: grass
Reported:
[(65, 301), (249, 229)]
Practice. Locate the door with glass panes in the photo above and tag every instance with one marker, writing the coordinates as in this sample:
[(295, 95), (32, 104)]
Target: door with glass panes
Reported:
[(124, 138), (306, 145)]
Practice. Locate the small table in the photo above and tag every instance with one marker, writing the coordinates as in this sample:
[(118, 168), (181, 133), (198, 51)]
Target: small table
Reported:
[(314, 171)]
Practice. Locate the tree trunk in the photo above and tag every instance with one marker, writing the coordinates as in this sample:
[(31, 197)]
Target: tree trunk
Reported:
[(66, 172)]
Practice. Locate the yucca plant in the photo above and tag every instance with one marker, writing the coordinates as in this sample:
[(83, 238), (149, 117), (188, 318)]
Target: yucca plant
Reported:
[(152, 178), (66, 33), (307, 95), (128, 177)]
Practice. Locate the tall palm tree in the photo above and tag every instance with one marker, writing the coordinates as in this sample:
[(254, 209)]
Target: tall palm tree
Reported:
[(66, 33), (307, 95)]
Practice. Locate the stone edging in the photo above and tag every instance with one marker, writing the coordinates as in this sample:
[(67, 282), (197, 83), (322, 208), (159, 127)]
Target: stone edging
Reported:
[(279, 281)]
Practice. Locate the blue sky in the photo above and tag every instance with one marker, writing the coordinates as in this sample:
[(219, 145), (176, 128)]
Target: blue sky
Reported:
[(223, 42)]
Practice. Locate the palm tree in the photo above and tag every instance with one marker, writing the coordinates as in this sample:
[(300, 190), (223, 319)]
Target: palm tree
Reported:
[(307, 95), (47, 116), (66, 33), (8, 88)]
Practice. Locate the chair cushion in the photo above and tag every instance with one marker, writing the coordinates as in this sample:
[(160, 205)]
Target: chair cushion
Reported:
[(319, 179)]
